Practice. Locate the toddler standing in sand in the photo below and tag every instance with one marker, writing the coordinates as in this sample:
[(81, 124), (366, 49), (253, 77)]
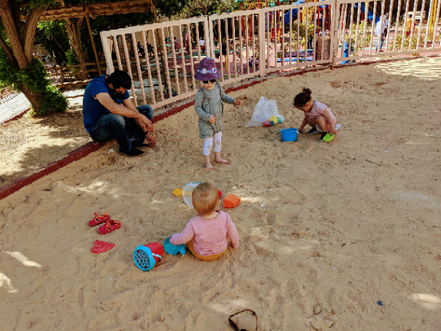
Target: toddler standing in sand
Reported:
[(210, 108), (316, 114), (207, 234)]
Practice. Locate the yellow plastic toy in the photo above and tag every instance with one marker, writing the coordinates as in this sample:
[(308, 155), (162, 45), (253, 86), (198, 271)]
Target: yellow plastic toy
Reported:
[(273, 120), (177, 192)]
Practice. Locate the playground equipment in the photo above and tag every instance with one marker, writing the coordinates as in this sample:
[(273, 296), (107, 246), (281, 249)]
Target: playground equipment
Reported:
[(363, 11), (432, 20)]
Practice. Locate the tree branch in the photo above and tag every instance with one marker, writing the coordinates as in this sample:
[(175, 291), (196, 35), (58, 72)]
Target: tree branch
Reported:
[(30, 29), (13, 34), (8, 52), (15, 11)]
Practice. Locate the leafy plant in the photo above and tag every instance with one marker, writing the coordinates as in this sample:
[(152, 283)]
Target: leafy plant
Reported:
[(362, 42), (299, 39), (71, 57), (34, 78), (408, 42)]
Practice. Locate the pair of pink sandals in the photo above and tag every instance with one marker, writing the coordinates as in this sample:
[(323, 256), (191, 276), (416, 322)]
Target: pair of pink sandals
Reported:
[(108, 226)]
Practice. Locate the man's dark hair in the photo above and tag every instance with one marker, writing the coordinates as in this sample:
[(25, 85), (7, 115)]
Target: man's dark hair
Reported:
[(120, 79)]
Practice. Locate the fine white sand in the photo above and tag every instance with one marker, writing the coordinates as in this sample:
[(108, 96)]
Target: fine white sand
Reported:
[(327, 229)]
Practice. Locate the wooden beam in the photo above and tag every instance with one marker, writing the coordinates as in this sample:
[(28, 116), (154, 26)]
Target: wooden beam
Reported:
[(93, 43)]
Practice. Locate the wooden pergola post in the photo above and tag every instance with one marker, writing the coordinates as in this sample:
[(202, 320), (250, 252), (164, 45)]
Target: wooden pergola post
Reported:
[(91, 38)]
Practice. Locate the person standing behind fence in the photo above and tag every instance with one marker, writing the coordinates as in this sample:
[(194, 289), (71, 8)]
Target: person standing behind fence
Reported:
[(109, 113), (210, 108), (381, 30), (409, 25)]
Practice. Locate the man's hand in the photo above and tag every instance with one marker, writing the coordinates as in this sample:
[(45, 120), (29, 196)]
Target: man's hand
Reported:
[(150, 139), (238, 102), (212, 119), (146, 122)]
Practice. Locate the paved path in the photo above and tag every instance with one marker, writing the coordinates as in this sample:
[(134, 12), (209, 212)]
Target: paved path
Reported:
[(13, 107), (20, 104)]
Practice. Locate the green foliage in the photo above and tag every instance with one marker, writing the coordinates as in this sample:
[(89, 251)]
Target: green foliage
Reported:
[(171, 8), (53, 36), (409, 43), (71, 57), (362, 42), (7, 72), (207, 7), (299, 39), (51, 100)]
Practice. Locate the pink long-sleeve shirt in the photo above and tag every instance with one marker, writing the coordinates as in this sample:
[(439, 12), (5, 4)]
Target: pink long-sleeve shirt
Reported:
[(209, 236)]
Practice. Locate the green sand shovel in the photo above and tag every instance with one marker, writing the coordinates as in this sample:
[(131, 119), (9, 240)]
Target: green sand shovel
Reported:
[(328, 137)]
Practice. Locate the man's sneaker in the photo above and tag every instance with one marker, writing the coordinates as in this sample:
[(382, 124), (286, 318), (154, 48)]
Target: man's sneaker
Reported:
[(323, 135), (313, 131), (138, 143), (134, 152)]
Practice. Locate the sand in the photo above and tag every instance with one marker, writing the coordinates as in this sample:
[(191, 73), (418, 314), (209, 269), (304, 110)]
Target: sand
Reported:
[(327, 229)]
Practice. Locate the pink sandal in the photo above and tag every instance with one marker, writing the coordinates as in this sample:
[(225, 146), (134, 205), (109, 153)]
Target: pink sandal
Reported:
[(99, 219), (110, 226)]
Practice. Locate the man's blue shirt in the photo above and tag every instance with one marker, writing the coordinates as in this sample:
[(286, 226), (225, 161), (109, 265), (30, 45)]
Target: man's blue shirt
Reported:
[(93, 110)]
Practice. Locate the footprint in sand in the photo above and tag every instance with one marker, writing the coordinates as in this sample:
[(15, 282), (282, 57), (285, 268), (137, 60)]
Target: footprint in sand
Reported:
[(322, 319)]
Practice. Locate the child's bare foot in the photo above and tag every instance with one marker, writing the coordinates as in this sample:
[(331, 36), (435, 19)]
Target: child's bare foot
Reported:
[(222, 161), (209, 166)]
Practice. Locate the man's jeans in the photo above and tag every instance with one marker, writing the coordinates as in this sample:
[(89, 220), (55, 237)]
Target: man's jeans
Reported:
[(123, 129)]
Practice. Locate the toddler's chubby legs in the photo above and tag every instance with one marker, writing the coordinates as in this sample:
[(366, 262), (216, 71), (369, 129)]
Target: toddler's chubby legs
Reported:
[(320, 121), (310, 121), (323, 124), (190, 247), (216, 140)]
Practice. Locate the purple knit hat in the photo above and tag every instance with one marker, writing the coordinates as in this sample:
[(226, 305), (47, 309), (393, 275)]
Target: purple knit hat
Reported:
[(207, 70)]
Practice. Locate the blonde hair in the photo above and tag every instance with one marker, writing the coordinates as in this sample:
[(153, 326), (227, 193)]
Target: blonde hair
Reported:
[(205, 198)]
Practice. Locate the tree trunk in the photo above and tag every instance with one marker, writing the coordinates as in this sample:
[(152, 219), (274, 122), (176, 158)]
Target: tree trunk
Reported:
[(13, 34), (33, 98), (73, 27), (21, 41)]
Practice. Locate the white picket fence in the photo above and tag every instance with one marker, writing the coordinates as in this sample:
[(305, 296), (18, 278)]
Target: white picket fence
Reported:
[(247, 44)]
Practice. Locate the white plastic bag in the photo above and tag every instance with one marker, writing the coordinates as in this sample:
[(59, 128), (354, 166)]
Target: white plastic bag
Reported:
[(264, 110)]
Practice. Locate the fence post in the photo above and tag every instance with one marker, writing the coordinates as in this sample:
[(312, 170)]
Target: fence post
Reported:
[(334, 35), (107, 52), (209, 39), (262, 55)]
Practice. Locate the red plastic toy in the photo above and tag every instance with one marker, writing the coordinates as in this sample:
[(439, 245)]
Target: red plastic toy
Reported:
[(231, 201), (101, 247)]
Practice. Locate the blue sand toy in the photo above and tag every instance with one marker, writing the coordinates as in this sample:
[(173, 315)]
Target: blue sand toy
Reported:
[(147, 256), (173, 249), (289, 134)]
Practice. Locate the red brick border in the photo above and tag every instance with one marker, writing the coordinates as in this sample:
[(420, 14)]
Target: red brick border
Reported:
[(16, 117), (50, 168), (93, 146)]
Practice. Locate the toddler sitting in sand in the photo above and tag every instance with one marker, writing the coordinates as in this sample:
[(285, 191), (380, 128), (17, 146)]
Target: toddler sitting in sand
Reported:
[(206, 234), (209, 105), (316, 114)]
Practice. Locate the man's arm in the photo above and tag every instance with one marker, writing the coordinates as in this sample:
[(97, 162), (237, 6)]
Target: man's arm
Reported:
[(123, 110), (144, 123), (114, 108)]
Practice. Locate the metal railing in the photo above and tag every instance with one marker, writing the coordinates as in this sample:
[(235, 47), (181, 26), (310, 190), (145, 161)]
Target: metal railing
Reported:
[(162, 58), (162, 69), (372, 30)]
